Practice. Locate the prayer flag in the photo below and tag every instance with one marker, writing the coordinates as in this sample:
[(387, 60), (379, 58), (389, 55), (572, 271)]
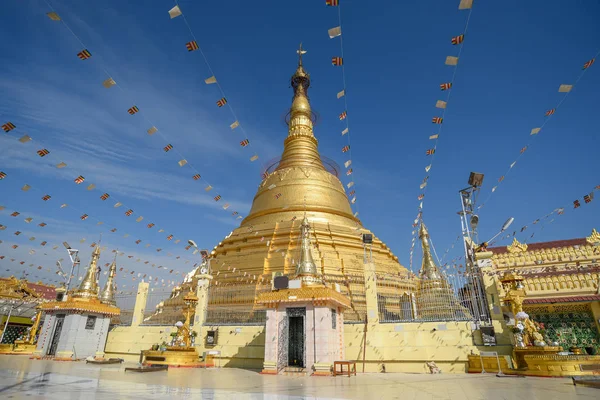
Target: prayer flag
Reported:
[(43, 152), (344, 131), (421, 197), (576, 204), (84, 54), (191, 46), (196, 177), (589, 63), (46, 197), (129, 212), (550, 112), (535, 131), (25, 139), (350, 184), (9, 126), (167, 148), (225, 206), (221, 102), (450, 60), (343, 116), (465, 4), (104, 196), (337, 61), (234, 125), (334, 32), (458, 39), (440, 104), (118, 204), (182, 162), (523, 150), (430, 152), (348, 163), (61, 165), (79, 179), (152, 130), (217, 197), (244, 143), (174, 12), (349, 172), (341, 94), (345, 149), (109, 82), (84, 217), (25, 188), (437, 120), (150, 225), (254, 158), (565, 88), (208, 188), (133, 110), (53, 16), (91, 186), (445, 86), (210, 80), (332, 3), (432, 137)]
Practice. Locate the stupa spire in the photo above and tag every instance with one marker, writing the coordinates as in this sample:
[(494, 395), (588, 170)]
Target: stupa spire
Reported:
[(300, 147), (306, 269), (108, 293), (428, 268), (89, 285)]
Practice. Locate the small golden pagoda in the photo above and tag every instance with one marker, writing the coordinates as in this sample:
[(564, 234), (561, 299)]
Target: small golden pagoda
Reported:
[(110, 288), (435, 297)]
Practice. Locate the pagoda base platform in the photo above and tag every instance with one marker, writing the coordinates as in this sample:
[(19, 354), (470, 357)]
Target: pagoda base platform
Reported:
[(19, 347), (184, 357)]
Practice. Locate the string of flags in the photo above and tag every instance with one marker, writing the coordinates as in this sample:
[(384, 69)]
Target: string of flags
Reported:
[(563, 88), (338, 61), (135, 109), (212, 80), (438, 120)]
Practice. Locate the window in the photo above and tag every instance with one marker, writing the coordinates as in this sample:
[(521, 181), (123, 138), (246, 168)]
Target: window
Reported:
[(91, 322), (333, 319)]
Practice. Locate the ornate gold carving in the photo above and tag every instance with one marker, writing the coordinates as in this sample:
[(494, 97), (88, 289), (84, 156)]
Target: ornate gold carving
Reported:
[(16, 289), (594, 238), (516, 247)]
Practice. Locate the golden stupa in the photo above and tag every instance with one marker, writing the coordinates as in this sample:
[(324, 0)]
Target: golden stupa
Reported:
[(268, 240)]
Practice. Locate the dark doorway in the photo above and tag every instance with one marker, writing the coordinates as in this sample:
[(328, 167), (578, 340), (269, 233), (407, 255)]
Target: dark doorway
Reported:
[(296, 338), (60, 319)]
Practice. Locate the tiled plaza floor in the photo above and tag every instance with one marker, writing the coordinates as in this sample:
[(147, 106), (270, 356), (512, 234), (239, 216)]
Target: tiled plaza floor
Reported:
[(21, 378)]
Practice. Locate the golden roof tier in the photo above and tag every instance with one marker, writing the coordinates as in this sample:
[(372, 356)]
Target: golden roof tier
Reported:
[(270, 238)]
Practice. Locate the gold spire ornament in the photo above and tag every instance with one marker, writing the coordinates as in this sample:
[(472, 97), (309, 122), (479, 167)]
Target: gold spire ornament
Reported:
[(306, 269), (428, 268), (110, 288), (89, 285)]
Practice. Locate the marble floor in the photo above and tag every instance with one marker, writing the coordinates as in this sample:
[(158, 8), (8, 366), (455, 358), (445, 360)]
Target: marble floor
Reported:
[(22, 378)]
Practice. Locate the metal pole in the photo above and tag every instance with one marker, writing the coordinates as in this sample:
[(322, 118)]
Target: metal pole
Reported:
[(6, 324)]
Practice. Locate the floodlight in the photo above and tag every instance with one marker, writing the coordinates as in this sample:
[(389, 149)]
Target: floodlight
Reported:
[(507, 223), (475, 179), (66, 245), (192, 243), (474, 222)]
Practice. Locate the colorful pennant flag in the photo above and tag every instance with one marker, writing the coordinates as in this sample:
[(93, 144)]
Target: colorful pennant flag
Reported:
[(152, 130), (182, 162), (565, 88), (550, 112), (349, 172), (421, 196), (244, 143), (129, 212), (458, 39), (53, 16), (440, 104), (208, 188), (589, 63), (84, 217), (104, 196), (79, 179), (26, 188), (341, 94), (211, 80), (61, 165), (254, 157), (9, 126), (234, 125), (133, 110), (343, 116), (167, 148), (217, 197), (523, 150), (25, 139), (196, 177), (451, 60), (345, 148), (430, 152), (576, 204), (46, 197), (84, 54), (344, 131), (332, 3), (446, 86), (535, 131), (348, 163), (465, 4), (221, 102), (437, 120), (192, 46), (337, 61), (43, 152)]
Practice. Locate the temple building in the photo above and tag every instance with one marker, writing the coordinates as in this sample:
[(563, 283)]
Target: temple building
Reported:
[(77, 326), (560, 280)]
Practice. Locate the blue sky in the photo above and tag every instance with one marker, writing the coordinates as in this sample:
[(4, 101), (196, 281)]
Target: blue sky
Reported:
[(515, 56)]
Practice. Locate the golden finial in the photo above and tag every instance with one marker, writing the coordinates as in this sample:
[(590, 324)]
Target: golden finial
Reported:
[(300, 52), (516, 247), (89, 285), (428, 268), (594, 238), (306, 269), (110, 288)]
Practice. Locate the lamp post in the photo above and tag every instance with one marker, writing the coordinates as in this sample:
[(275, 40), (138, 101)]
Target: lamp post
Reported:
[(74, 256)]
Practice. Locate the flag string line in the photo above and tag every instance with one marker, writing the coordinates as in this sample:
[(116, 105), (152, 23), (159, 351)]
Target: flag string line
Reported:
[(217, 82), (532, 136), (143, 114), (439, 132), (95, 188)]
